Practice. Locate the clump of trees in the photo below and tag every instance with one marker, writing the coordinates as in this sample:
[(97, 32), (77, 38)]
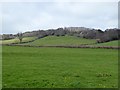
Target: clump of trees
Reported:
[(110, 35), (20, 36)]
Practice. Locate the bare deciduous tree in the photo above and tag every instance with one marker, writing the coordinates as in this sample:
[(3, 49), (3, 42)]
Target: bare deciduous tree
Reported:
[(20, 36)]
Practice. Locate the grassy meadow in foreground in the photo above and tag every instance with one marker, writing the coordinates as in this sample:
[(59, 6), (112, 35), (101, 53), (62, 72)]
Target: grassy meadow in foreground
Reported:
[(0, 67), (59, 67)]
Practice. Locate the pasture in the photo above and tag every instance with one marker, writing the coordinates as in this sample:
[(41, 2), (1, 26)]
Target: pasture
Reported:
[(16, 40), (0, 67), (58, 41), (111, 43), (30, 67), (61, 40)]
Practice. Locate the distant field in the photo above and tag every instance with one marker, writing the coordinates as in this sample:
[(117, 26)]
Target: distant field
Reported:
[(111, 43), (59, 67), (16, 40), (61, 40), (58, 41)]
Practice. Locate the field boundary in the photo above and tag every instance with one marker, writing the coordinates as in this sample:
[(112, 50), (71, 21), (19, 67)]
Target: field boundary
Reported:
[(81, 46)]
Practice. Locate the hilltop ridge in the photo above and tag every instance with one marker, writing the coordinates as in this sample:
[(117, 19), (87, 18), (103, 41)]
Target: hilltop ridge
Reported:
[(88, 33)]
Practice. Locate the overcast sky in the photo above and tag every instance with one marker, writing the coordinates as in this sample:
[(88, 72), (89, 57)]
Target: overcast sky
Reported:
[(20, 16)]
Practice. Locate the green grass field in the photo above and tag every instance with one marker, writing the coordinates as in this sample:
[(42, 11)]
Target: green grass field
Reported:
[(16, 40), (111, 43), (58, 41), (61, 40), (59, 67), (0, 67)]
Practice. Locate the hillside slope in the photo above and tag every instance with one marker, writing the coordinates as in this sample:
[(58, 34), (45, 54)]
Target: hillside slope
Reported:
[(16, 40), (61, 40), (111, 43)]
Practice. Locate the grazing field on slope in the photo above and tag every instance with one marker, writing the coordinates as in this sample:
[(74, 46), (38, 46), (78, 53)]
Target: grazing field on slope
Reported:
[(59, 67), (61, 40), (16, 40), (111, 43)]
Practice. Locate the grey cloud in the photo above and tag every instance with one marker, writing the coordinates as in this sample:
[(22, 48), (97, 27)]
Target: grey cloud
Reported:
[(44, 15)]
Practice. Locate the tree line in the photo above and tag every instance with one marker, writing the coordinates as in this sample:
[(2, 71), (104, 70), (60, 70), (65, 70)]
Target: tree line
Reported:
[(82, 32)]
